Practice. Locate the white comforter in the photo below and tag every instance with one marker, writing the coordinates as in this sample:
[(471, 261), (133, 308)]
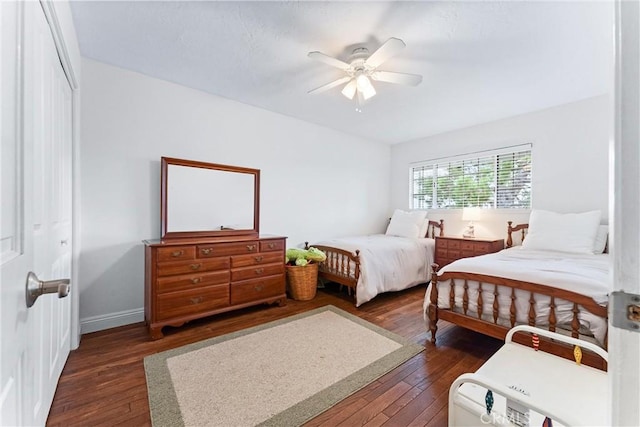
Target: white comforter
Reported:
[(585, 274), (387, 263)]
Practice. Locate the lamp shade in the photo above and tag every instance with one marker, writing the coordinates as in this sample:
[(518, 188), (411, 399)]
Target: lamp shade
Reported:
[(350, 89), (471, 214), (365, 87)]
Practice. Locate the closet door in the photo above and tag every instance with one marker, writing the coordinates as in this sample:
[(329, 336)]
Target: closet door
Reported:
[(35, 234)]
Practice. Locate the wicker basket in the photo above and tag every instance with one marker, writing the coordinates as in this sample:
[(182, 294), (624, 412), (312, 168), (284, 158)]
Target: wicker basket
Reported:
[(303, 281)]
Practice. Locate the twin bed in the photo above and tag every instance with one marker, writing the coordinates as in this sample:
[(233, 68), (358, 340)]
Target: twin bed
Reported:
[(562, 292), (373, 264)]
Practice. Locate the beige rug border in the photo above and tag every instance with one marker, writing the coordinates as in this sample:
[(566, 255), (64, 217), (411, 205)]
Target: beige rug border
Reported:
[(163, 402)]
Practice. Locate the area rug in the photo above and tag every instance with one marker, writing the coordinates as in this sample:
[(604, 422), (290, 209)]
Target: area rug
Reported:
[(281, 373)]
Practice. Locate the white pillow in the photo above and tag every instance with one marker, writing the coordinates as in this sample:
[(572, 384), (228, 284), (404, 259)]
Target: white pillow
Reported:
[(600, 242), (425, 226), (406, 224), (574, 232)]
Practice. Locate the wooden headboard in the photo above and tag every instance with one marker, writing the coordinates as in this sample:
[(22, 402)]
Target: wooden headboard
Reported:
[(431, 230), (511, 229)]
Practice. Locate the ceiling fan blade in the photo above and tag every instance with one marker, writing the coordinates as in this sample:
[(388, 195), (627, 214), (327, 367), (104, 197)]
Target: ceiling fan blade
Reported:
[(398, 78), (329, 60), (330, 85), (388, 49)]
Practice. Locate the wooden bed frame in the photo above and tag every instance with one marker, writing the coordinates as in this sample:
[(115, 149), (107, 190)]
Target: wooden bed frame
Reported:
[(337, 267), (491, 284)]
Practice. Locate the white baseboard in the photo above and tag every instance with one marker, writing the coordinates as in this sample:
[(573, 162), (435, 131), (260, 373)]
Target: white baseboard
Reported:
[(111, 320)]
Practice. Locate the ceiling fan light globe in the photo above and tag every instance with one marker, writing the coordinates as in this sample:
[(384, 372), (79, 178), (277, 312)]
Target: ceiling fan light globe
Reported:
[(362, 81), (350, 89), (369, 93), (365, 87)]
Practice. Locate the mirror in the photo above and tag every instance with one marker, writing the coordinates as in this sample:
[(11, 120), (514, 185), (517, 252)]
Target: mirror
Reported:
[(206, 199)]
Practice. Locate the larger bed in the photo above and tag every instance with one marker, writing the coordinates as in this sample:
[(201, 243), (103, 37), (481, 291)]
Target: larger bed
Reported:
[(372, 264), (492, 293)]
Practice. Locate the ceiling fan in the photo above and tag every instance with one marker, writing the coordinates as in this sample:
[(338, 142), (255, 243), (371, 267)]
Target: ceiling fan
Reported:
[(362, 68)]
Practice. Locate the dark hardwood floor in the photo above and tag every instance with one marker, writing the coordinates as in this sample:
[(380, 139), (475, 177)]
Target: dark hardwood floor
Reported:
[(103, 382)]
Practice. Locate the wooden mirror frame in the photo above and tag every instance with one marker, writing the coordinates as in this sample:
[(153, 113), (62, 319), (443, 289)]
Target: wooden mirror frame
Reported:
[(164, 165)]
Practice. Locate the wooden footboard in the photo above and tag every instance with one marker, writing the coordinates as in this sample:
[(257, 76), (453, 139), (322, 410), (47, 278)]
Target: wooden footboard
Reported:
[(490, 323), (341, 266)]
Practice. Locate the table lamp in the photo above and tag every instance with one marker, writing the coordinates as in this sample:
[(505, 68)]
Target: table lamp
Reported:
[(470, 214)]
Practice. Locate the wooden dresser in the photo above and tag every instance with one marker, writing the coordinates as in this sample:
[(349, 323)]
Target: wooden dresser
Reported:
[(186, 279), (449, 249)]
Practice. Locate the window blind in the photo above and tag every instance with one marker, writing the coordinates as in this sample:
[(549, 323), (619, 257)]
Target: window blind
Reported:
[(493, 179)]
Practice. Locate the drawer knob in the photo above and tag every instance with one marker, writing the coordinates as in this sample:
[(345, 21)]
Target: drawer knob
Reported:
[(195, 266), (259, 287), (272, 245), (196, 300), (250, 248), (259, 270), (206, 251), (196, 280), (176, 254), (258, 258)]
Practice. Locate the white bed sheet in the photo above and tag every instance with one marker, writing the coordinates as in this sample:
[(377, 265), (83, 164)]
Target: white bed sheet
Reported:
[(387, 263), (582, 273)]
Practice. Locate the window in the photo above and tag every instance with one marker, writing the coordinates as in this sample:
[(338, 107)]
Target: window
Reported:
[(495, 179)]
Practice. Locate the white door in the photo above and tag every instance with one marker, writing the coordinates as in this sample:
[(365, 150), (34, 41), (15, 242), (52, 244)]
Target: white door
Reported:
[(624, 345), (35, 233)]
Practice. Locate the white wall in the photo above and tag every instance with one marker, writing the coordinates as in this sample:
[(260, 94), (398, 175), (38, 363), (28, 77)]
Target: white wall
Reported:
[(316, 183), (570, 160)]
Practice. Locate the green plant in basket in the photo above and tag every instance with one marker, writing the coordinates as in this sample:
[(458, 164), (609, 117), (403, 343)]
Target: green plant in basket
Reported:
[(302, 257)]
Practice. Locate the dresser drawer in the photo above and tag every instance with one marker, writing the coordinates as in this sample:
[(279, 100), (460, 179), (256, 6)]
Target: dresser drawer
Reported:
[(257, 271), (441, 253), (450, 249), (256, 289), (455, 254), (482, 247), (176, 253), (257, 259), (467, 254), (192, 281), (467, 246), (218, 249), (272, 245), (452, 244), (176, 304), (194, 266)]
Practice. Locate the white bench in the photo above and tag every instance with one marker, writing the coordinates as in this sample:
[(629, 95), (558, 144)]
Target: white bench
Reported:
[(568, 393)]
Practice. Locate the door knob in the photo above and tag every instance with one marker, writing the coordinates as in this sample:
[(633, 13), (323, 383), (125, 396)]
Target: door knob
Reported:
[(36, 287)]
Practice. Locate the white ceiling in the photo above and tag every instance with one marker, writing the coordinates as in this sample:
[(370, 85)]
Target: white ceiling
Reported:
[(481, 61)]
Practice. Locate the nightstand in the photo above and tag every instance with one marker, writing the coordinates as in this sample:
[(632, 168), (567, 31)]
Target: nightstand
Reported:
[(449, 249)]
